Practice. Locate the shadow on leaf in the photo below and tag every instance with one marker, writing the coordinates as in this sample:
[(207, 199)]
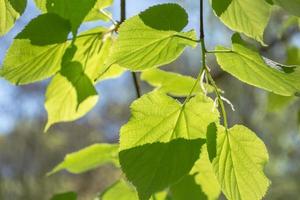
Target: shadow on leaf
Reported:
[(220, 6), (153, 167)]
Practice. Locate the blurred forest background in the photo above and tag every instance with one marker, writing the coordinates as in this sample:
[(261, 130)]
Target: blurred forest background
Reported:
[(27, 154)]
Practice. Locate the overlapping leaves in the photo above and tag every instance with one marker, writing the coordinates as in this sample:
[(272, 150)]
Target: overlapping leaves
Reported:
[(10, 11), (152, 38), (172, 83), (162, 140), (37, 51), (246, 16)]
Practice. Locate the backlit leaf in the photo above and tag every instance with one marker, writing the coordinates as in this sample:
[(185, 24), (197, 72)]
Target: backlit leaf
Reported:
[(46, 29), (248, 66), (172, 83), (93, 47), (121, 191), (26, 63), (37, 51), (89, 158), (241, 157), (245, 16), (97, 12), (10, 11), (73, 10), (162, 140), (205, 177), (152, 38), (70, 95)]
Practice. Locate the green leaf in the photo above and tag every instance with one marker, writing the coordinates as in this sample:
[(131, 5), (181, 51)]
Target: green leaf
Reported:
[(121, 191), (70, 95), (93, 48), (241, 157), (161, 142), (37, 51), (73, 86), (153, 167), (89, 158), (46, 29), (248, 66), (152, 38), (41, 4), (65, 196), (26, 63), (157, 117), (291, 6), (205, 177), (187, 188), (97, 12), (73, 10), (245, 16), (172, 83), (10, 11)]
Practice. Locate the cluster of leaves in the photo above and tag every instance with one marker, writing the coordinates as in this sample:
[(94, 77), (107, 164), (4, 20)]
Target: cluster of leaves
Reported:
[(168, 149)]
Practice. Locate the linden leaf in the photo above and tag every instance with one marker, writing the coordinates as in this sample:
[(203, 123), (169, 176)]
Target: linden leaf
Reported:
[(246, 16), (238, 165), (248, 66), (152, 38), (89, 158), (172, 83), (10, 11), (162, 140)]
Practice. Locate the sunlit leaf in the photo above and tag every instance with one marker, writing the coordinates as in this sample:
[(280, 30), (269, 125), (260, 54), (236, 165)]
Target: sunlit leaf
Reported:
[(172, 83), (152, 38), (121, 191), (239, 163), (73, 10), (205, 177), (26, 63), (248, 66), (89, 158), (246, 16), (70, 95), (162, 140), (93, 47), (97, 12), (10, 11)]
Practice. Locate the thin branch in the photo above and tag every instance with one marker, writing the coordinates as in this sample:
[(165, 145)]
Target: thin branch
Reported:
[(134, 76), (204, 66), (219, 51), (136, 85)]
